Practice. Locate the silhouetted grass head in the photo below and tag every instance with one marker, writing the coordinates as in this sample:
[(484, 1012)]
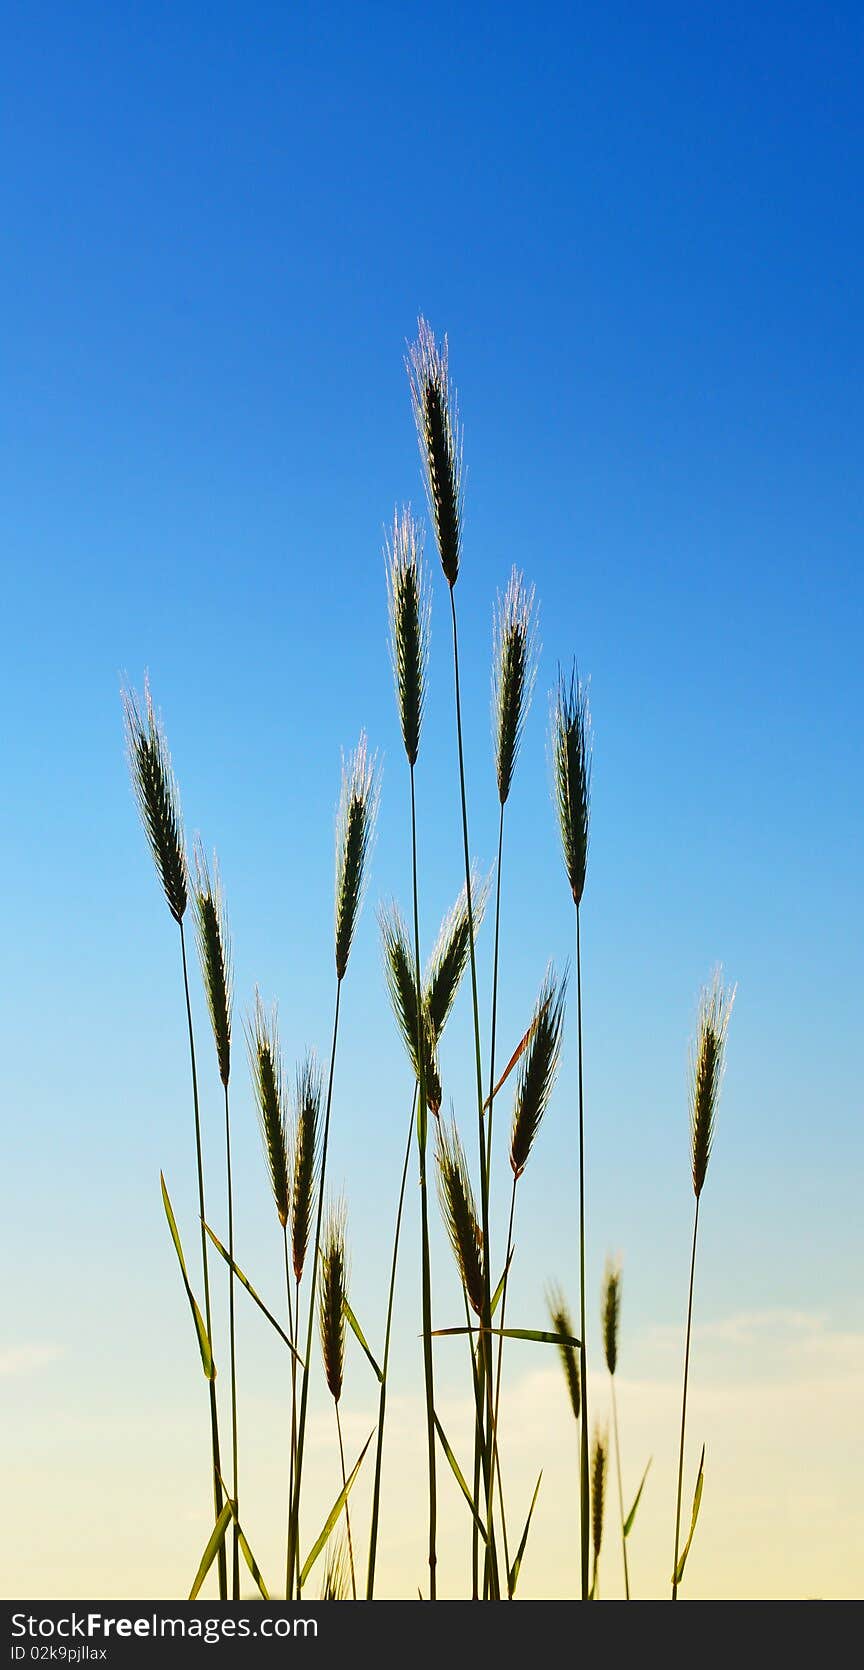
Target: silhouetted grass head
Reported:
[(571, 756), (214, 949), (460, 1213), (399, 972), (562, 1325), (336, 1582), (450, 955), (438, 431), (610, 1313), (157, 796), (706, 1076), (355, 829), (306, 1154), (514, 669), (599, 1464), (332, 1293), (265, 1060), (537, 1070), (409, 601)]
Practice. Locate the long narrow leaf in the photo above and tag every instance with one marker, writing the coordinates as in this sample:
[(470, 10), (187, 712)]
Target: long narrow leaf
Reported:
[(335, 1511), (246, 1551), (245, 1282), (537, 1335), (459, 1477), (514, 1569), (697, 1503), (496, 1297), (217, 1537), (520, 1049), (356, 1329), (628, 1523), (207, 1362)]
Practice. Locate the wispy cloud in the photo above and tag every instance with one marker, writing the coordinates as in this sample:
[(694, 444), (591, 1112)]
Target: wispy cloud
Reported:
[(26, 1359)]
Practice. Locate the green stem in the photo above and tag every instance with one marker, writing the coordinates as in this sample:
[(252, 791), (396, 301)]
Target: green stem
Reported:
[(584, 1492), (347, 1514), (214, 1415), (382, 1402), (294, 1522), (620, 1489), (684, 1405), (478, 1373), (495, 1455), (293, 1338), (235, 1554), (422, 1120), (484, 1179)]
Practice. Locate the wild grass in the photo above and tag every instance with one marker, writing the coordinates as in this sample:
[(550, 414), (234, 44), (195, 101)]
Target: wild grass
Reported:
[(296, 1131)]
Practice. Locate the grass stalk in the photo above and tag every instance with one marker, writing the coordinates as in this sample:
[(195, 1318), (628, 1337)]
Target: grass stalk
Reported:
[(424, 1210), (235, 1550), (347, 1513), (214, 1413), (584, 1475), (382, 1401), (293, 1338), (684, 1404), (620, 1487)]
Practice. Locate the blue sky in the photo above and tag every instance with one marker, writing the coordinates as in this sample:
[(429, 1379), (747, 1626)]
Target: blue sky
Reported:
[(642, 230)]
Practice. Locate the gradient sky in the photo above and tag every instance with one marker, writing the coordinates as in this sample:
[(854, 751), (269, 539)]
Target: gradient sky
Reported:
[(642, 229)]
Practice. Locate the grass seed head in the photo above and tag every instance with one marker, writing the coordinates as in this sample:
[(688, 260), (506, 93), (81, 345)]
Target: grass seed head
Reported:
[(214, 950), (610, 1313), (438, 431), (537, 1070), (562, 1325), (514, 669), (355, 830), (265, 1060), (460, 1213), (599, 1464), (450, 956), (706, 1073), (336, 1584), (409, 600), (307, 1127), (157, 796), (332, 1293), (571, 755), (399, 972)]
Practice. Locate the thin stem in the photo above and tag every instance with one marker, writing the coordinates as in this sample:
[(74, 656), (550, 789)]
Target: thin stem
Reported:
[(584, 1495), (478, 1372), (293, 1338), (235, 1555), (422, 1118), (494, 994), (484, 1178), (214, 1414), (620, 1489), (684, 1405), (382, 1402), (347, 1514), (495, 1455), (294, 1524)]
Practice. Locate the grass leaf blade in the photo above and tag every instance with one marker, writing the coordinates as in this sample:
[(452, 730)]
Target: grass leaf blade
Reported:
[(335, 1511), (459, 1477), (207, 1362), (245, 1282), (697, 1503), (514, 1569), (217, 1538), (628, 1523), (358, 1333)]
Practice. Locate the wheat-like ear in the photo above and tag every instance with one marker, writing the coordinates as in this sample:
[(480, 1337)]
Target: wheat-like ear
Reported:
[(610, 1313), (157, 796), (214, 949), (265, 1061), (355, 830), (307, 1122), (562, 1325), (537, 1069), (571, 755), (715, 1009), (514, 669), (460, 1213), (399, 971), (336, 1582), (410, 607), (449, 958), (332, 1293), (438, 431), (599, 1464)]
